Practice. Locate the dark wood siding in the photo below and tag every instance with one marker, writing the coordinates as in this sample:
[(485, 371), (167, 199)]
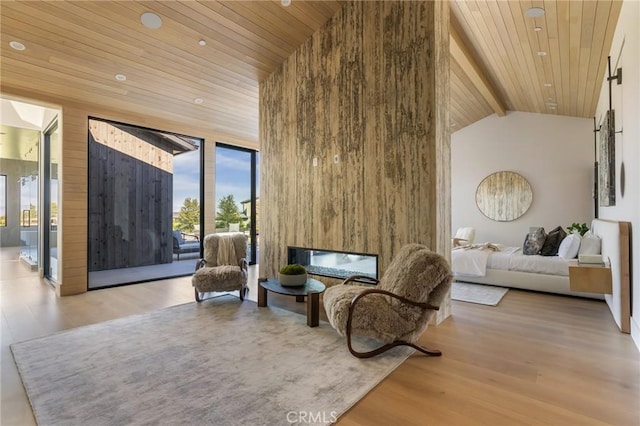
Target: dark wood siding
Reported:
[(130, 210)]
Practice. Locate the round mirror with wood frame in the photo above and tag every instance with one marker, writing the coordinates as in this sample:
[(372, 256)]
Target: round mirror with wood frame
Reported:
[(504, 196)]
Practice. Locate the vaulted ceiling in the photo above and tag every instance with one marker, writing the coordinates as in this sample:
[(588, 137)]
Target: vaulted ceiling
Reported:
[(551, 64), (204, 64)]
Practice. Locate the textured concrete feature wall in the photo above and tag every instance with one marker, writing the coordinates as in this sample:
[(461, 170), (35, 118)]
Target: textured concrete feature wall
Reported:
[(367, 98)]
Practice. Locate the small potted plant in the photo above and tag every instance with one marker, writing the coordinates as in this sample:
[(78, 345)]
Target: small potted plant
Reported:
[(292, 275), (577, 228)]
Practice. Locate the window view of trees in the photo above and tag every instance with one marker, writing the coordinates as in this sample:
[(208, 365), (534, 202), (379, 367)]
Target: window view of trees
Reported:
[(186, 193), (188, 217), (229, 212), (233, 186), (237, 194)]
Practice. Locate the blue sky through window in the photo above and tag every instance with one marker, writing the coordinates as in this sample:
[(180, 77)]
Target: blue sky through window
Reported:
[(186, 177), (233, 176)]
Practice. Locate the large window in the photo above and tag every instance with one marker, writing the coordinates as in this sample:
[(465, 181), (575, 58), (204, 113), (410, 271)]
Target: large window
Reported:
[(3, 200), (144, 204), (237, 194), (186, 194)]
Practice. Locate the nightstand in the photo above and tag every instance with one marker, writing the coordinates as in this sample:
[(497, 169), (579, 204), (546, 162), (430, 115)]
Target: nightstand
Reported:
[(589, 278)]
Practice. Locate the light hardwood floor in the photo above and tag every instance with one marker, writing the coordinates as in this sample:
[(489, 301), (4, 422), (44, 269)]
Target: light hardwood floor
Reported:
[(533, 360)]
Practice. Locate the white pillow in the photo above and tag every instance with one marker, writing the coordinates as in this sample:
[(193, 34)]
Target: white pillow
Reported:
[(569, 246), (591, 244)]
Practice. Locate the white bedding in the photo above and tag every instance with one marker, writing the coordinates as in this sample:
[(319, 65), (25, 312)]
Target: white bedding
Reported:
[(469, 262), (474, 262), (501, 259), (615, 247), (549, 265)]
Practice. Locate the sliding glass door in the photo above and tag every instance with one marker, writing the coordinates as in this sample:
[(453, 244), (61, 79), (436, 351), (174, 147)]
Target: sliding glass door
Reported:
[(237, 194), (144, 204)]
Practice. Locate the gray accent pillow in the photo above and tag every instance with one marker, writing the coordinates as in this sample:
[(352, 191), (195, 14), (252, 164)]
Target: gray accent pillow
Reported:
[(534, 241), (552, 242)]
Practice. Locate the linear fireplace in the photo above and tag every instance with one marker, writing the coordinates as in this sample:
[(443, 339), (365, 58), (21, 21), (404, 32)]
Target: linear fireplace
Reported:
[(335, 264)]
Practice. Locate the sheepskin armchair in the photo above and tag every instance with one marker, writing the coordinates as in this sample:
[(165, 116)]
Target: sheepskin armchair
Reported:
[(224, 266), (397, 310)]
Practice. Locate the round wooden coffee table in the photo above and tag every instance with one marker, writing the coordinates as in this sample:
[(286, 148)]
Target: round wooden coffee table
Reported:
[(311, 289)]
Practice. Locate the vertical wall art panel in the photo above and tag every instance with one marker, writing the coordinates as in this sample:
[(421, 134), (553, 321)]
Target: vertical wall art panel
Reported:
[(607, 161)]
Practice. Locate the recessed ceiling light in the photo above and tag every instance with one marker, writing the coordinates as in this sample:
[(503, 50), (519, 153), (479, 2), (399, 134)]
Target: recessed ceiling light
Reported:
[(548, 85), (198, 101), (537, 29), (542, 53), (17, 45), (202, 43), (151, 20), (285, 3), (534, 12), (121, 77)]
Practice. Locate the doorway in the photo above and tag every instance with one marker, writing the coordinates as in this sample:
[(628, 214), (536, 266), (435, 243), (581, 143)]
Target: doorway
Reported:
[(22, 129)]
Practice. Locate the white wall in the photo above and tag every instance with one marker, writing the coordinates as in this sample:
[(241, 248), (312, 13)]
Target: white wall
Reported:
[(625, 54), (555, 154)]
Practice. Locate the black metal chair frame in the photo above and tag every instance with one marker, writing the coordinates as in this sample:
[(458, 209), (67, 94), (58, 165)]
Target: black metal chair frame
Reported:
[(386, 347)]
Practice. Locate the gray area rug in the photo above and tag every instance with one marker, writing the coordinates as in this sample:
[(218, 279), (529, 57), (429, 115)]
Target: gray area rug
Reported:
[(478, 293), (221, 362)]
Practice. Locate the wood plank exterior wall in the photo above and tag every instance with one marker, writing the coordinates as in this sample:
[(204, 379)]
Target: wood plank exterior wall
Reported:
[(371, 87), (130, 200)]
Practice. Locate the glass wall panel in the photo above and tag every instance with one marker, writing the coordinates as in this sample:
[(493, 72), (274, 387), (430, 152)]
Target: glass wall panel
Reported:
[(336, 264), (144, 204), (237, 201), (29, 214), (187, 204)]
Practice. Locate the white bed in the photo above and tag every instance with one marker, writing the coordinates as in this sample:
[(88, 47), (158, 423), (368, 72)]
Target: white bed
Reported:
[(510, 268), (615, 247)]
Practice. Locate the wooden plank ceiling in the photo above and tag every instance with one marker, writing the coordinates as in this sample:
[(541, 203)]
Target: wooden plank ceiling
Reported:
[(573, 38), (74, 49)]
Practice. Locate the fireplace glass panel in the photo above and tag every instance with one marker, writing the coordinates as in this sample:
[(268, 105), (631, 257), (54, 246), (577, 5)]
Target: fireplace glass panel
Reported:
[(335, 264)]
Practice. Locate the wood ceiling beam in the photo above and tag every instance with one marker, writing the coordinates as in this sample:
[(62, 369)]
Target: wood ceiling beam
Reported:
[(462, 56)]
